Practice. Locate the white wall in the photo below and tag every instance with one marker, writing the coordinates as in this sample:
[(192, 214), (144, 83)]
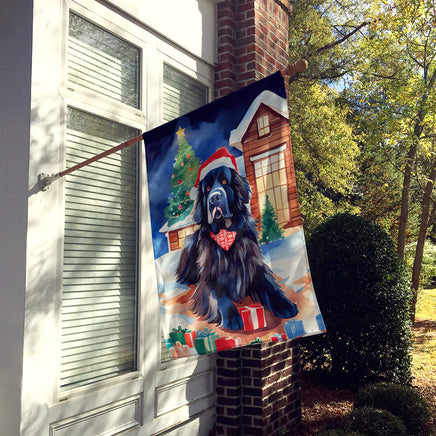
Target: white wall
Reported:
[(15, 72), (180, 21)]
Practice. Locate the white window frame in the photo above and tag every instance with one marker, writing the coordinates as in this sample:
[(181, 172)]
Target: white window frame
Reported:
[(79, 98), (152, 382)]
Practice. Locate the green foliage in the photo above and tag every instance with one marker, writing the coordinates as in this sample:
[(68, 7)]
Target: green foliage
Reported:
[(428, 269), (381, 54), (402, 401), (370, 421), (325, 153), (340, 432), (363, 297), (324, 145), (270, 226), (323, 33), (394, 99)]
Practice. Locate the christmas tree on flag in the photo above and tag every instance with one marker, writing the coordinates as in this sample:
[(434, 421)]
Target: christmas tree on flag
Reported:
[(270, 226), (185, 171)]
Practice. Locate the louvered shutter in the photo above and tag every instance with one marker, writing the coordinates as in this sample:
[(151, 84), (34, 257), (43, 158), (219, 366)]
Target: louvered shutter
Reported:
[(99, 274), (181, 94), (102, 62)]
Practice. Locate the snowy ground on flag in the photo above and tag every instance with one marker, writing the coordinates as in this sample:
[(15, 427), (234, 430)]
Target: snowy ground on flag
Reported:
[(288, 260)]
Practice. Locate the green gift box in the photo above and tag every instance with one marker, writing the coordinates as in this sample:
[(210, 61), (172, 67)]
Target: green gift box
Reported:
[(205, 341), (178, 335)]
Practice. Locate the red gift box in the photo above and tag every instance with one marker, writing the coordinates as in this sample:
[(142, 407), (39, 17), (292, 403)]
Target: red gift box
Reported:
[(253, 317), (189, 338), (227, 343), (277, 338)]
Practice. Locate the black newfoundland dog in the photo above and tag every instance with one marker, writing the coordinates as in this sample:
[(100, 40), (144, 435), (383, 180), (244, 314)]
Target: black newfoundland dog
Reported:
[(223, 258)]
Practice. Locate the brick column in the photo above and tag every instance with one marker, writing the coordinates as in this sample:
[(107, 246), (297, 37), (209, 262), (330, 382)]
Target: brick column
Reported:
[(270, 388), (258, 387), (252, 42)]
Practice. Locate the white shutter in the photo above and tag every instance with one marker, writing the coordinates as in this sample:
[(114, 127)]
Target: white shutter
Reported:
[(102, 62), (98, 325), (181, 93)]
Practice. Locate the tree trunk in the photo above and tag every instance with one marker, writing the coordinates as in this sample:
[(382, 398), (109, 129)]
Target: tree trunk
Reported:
[(417, 131), (426, 221), (404, 214)]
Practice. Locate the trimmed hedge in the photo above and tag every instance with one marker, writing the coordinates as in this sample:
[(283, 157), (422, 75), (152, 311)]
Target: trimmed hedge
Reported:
[(364, 300), (402, 401), (375, 422), (340, 432)]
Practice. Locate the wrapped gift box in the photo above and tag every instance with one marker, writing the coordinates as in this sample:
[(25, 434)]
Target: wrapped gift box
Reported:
[(179, 350), (277, 337), (205, 341), (253, 317), (189, 338), (227, 343), (294, 328), (178, 335)]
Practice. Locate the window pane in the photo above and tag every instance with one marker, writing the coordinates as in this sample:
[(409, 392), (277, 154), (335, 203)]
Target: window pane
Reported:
[(98, 322), (102, 62), (274, 183), (181, 93)]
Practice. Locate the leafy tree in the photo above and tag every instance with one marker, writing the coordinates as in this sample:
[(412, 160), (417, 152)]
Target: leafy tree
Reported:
[(324, 146), (325, 153), (270, 226), (384, 55), (325, 34), (397, 84)]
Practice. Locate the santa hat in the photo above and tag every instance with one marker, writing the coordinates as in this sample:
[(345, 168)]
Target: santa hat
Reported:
[(221, 158)]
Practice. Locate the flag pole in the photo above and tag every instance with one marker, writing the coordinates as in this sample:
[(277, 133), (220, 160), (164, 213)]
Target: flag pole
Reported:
[(296, 67), (45, 180)]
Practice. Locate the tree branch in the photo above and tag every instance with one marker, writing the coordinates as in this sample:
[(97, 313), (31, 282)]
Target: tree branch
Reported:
[(341, 40)]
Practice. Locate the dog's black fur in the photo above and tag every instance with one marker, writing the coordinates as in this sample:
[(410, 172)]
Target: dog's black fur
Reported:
[(224, 277)]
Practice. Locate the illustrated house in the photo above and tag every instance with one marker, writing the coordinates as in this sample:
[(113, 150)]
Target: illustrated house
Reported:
[(264, 140), (263, 137), (177, 233)]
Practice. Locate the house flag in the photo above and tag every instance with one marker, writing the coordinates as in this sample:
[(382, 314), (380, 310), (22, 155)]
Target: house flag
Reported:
[(229, 248)]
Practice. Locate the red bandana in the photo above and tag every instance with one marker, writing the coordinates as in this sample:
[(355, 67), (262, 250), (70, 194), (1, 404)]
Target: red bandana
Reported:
[(224, 238)]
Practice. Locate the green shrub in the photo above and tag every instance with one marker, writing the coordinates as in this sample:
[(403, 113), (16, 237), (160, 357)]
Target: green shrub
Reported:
[(340, 432), (363, 296), (375, 422), (402, 401)]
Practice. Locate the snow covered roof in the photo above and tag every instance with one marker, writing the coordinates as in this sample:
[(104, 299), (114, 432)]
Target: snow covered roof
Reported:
[(268, 98), (179, 224)]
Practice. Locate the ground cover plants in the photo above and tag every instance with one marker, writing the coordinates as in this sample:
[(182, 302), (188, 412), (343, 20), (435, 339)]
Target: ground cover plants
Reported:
[(325, 408)]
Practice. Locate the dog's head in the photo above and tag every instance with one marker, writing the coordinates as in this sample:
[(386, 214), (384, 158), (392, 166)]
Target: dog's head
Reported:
[(222, 199)]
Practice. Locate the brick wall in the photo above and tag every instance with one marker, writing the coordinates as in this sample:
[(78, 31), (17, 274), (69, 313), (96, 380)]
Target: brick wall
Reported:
[(252, 42), (258, 387)]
